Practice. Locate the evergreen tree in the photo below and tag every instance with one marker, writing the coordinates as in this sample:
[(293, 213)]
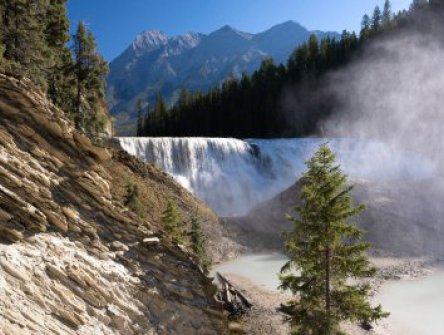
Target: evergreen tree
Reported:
[(90, 71), (376, 19), (139, 117), (160, 115), (198, 241), (418, 4), (437, 4), (132, 197), (365, 27), (2, 51), (172, 222), (82, 70), (387, 13), (327, 250), (22, 31), (2, 45), (60, 78), (183, 98)]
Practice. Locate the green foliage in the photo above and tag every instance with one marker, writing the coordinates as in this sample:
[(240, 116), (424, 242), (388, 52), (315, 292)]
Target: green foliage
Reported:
[(365, 28), (437, 4), (60, 76), (90, 71), (198, 242), (132, 198), (387, 13), (23, 37), (2, 51), (139, 117), (325, 251), (34, 37), (172, 222), (376, 19), (418, 4)]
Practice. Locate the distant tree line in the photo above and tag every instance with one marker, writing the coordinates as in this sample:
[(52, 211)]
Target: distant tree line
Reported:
[(35, 43), (254, 105)]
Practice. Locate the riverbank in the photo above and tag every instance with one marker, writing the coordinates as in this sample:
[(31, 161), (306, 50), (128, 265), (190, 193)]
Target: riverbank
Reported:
[(264, 317)]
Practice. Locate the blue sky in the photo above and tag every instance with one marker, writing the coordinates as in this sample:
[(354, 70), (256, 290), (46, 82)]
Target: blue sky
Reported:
[(115, 23)]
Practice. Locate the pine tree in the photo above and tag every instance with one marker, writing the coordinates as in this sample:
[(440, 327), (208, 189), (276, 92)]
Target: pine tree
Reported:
[(22, 31), (2, 46), (160, 116), (198, 241), (2, 51), (376, 19), (436, 4), (387, 13), (326, 250), (183, 98), (60, 77), (172, 222), (139, 117), (418, 4), (365, 27), (90, 71), (132, 197)]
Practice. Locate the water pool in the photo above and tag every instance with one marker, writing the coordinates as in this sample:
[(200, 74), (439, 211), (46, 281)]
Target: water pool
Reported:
[(416, 307), (261, 269)]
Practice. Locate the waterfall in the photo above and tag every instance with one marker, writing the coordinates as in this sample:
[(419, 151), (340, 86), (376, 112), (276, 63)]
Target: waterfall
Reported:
[(233, 175)]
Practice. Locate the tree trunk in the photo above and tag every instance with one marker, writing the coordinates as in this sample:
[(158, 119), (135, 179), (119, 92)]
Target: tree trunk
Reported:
[(327, 282), (327, 285), (79, 119), (15, 56)]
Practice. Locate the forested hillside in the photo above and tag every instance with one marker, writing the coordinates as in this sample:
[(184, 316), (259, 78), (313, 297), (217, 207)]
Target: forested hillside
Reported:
[(35, 43), (279, 101), (157, 63)]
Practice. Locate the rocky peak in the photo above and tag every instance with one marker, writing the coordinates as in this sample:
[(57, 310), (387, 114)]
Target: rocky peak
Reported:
[(150, 40), (229, 31), (189, 40)]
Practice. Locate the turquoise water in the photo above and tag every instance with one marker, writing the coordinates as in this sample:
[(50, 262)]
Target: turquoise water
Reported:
[(416, 307), (262, 269)]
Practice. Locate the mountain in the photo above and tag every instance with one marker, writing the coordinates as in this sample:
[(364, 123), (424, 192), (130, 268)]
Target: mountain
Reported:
[(156, 63), (73, 258)]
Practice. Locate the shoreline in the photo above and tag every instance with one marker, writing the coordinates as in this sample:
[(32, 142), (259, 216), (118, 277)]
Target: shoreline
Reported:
[(263, 318)]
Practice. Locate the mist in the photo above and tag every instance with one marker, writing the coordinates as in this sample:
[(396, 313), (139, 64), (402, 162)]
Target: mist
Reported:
[(394, 93)]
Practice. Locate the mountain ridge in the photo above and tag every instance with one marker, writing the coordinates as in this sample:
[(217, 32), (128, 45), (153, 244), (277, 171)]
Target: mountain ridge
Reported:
[(155, 63)]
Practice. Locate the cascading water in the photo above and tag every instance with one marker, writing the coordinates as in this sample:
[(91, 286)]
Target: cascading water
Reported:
[(232, 175)]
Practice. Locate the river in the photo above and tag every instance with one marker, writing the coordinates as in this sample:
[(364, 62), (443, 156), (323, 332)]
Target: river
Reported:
[(416, 306)]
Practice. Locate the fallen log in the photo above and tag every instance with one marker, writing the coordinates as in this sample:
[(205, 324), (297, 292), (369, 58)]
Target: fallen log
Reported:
[(230, 291)]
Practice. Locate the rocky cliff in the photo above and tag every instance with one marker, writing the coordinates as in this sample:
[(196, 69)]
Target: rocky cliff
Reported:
[(73, 259)]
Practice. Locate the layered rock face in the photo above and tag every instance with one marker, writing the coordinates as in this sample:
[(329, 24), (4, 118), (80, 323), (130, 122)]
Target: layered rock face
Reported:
[(73, 259)]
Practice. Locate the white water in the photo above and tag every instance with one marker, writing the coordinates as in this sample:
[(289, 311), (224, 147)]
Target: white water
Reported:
[(232, 176), (416, 307)]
